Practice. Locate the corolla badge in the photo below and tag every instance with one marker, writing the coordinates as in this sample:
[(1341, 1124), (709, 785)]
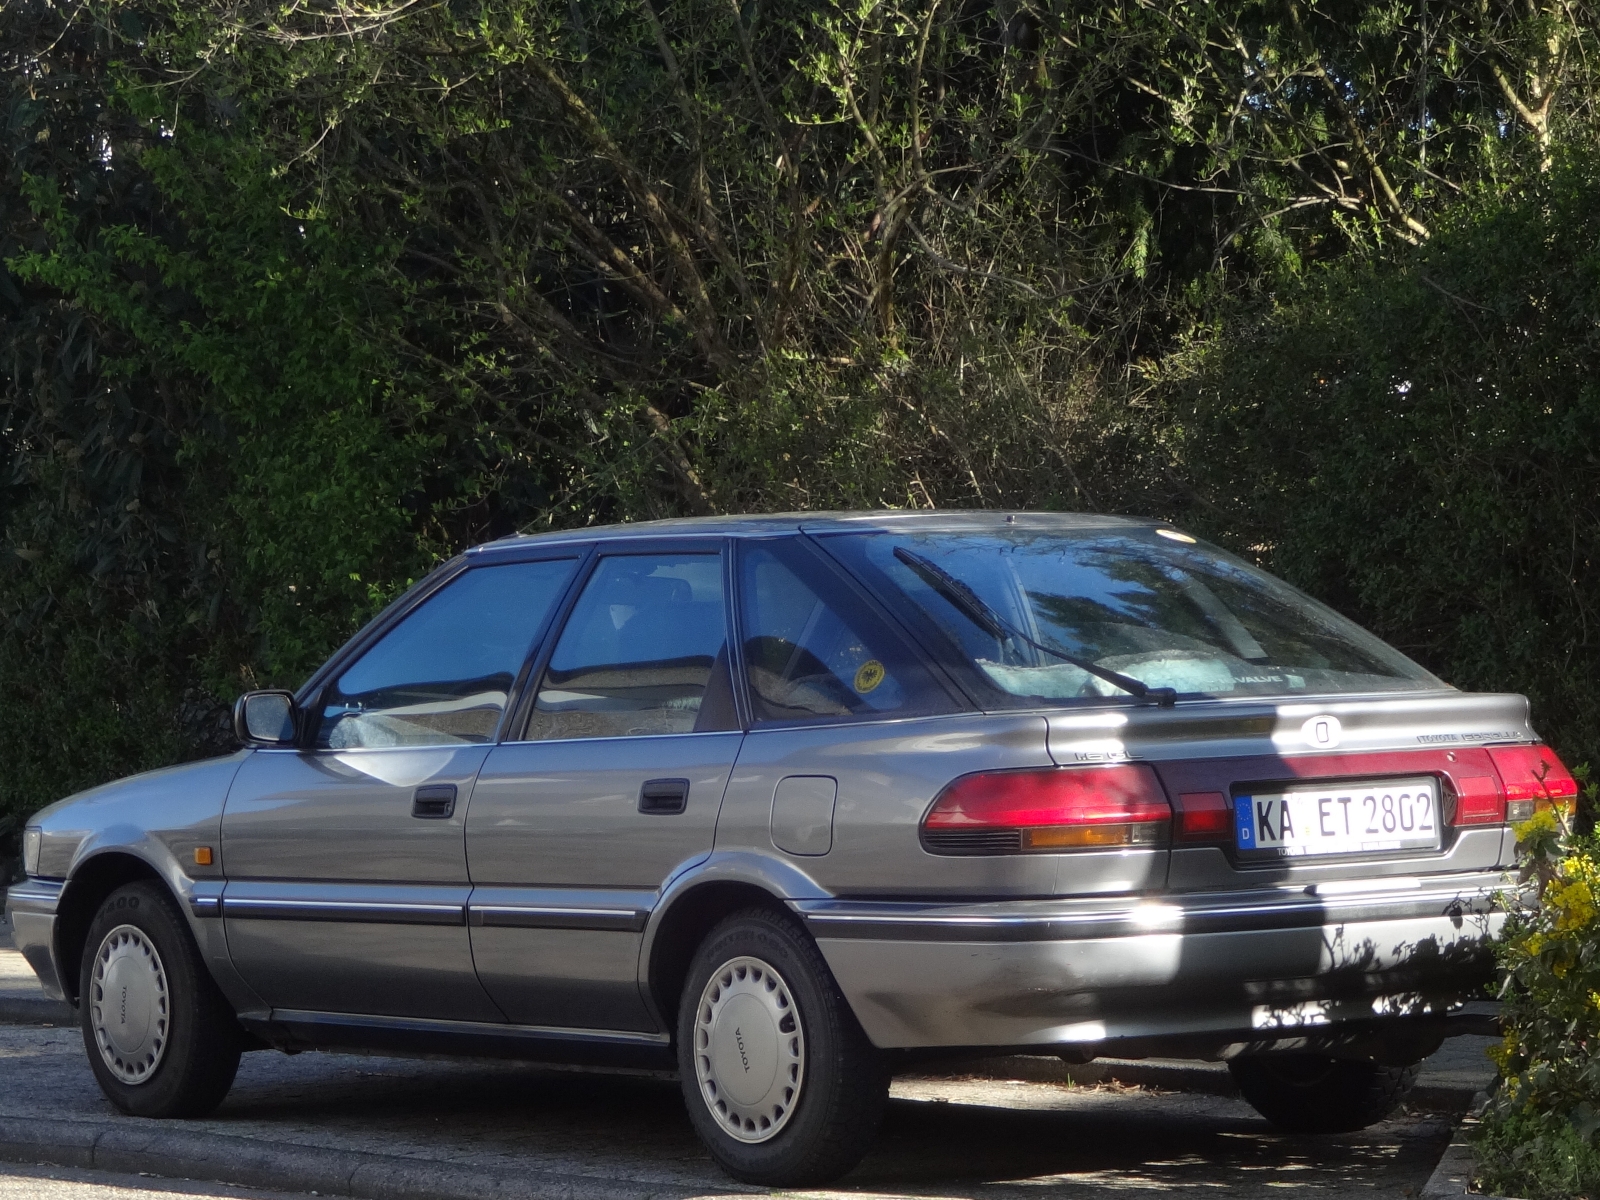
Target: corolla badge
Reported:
[(1322, 733)]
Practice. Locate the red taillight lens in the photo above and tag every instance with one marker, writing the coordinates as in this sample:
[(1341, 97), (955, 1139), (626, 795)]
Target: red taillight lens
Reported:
[(1058, 808), (1204, 817), (1478, 801), (1532, 777)]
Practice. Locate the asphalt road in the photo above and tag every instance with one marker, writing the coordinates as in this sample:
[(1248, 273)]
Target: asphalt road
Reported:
[(596, 1134)]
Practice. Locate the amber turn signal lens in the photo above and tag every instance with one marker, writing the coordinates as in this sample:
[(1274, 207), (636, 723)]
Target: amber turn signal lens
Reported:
[(1069, 837), (202, 856)]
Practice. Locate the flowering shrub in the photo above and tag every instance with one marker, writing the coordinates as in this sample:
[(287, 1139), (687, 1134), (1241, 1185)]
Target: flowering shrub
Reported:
[(1537, 1138)]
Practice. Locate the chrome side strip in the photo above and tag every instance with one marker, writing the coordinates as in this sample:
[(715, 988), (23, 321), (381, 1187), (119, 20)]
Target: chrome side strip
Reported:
[(205, 900), (375, 912), (893, 922), (550, 916)]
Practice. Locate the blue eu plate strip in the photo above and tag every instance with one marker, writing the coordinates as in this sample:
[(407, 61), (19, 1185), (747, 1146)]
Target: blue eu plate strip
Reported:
[(1244, 823)]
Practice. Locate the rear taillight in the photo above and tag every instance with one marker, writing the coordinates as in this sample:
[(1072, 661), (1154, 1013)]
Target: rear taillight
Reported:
[(1478, 801), (1049, 810), (1204, 817), (1532, 777)]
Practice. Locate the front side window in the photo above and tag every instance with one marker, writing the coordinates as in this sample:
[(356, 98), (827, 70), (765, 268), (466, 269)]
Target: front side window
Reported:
[(442, 675), (1062, 614), (644, 652), (812, 651)]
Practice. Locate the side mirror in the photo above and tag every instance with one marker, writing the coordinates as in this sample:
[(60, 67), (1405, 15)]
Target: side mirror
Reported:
[(264, 718)]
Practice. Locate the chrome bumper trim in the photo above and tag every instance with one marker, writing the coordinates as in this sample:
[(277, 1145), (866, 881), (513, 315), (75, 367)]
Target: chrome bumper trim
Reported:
[(35, 895), (1029, 921), (31, 907)]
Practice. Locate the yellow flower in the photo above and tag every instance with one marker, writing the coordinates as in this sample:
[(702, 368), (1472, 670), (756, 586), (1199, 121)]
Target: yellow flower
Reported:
[(1542, 821), (1573, 903)]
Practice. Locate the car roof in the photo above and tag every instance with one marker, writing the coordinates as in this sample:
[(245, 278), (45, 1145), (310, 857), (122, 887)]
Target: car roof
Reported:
[(772, 524)]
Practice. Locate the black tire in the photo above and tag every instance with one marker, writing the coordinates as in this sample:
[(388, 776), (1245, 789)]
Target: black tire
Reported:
[(188, 1038), (1313, 1093), (832, 1117)]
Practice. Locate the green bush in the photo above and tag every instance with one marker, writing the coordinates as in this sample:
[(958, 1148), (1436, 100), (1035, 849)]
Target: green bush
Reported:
[(1537, 1137), (1538, 1156), (1412, 438)]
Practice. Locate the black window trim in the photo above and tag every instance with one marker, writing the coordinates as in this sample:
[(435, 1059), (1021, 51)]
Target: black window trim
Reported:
[(869, 602), (308, 700), (515, 725)]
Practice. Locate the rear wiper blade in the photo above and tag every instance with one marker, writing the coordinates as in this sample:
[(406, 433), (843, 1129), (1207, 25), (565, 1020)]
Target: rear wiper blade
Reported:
[(976, 610)]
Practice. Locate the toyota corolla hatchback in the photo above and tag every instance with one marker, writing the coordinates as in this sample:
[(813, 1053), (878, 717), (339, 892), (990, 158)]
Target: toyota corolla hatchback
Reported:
[(788, 803)]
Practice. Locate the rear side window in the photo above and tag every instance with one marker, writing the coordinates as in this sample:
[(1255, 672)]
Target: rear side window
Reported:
[(441, 676), (644, 652), (813, 652)]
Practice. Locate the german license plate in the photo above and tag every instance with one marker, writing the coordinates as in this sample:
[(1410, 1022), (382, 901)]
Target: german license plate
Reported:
[(1357, 818)]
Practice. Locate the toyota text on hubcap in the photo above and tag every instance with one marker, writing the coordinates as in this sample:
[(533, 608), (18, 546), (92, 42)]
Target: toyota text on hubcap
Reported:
[(749, 1049)]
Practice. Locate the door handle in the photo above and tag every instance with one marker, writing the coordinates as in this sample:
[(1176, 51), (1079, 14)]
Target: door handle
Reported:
[(434, 801), (662, 796)]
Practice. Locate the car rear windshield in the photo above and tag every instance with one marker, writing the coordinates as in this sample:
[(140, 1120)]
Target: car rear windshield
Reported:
[(1058, 616)]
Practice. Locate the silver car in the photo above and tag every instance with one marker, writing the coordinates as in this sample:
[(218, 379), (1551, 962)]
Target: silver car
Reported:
[(790, 803)]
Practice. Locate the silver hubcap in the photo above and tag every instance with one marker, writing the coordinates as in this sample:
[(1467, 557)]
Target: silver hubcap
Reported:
[(749, 1049), (128, 1004)]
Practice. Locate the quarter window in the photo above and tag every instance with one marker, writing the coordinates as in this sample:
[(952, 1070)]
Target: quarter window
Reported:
[(644, 652), (813, 652), (442, 675)]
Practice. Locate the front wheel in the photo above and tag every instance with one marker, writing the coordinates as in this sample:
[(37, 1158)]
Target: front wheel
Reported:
[(781, 1083), (160, 1037), (1313, 1093)]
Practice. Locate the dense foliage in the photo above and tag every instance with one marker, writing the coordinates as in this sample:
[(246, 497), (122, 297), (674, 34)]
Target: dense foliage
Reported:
[(299, 296), (1537, 1137), (1414, 440)]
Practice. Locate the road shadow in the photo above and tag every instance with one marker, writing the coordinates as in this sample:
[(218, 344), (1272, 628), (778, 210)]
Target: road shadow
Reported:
[(946, 1138)]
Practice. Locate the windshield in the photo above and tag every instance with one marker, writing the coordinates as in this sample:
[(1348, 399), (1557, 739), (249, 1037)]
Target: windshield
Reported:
[(1059, 615)]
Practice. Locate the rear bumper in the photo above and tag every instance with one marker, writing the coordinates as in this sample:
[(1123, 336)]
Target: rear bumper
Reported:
[(1204, 975), (31, 906)]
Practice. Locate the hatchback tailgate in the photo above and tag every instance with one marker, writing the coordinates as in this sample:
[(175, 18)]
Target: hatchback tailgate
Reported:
[(1213, 755)]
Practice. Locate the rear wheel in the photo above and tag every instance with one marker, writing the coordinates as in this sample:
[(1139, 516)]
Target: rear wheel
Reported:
[(160, 1037), (781, 1083), (1313, 1093)]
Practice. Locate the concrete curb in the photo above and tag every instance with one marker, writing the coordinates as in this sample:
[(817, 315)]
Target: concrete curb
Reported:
[(1453, 1176), (35, 1010), (247, 1162)]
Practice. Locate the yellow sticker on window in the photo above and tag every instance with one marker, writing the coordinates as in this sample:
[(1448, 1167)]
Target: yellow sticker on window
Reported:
[(869, 676)]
